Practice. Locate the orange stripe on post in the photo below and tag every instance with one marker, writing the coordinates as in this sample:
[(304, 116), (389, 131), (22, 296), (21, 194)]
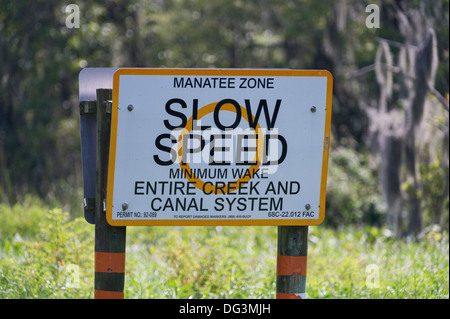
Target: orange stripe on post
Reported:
[(288, 296), (290, 265), (109, 262), (102, 294)]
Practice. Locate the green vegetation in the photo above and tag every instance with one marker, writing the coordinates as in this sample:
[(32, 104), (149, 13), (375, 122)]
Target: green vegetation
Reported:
[(387, 218), (52, 257), (38, 246)]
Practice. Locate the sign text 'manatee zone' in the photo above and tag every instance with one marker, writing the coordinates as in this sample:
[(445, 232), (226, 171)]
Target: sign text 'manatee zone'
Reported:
[(224, 82)]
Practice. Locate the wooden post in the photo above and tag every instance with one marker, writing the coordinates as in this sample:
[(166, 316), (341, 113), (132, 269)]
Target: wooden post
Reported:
[(109, 241), (291, 262)]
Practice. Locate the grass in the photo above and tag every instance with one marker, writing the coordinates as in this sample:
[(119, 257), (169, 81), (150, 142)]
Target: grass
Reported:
[(369, 263), (46, 254)]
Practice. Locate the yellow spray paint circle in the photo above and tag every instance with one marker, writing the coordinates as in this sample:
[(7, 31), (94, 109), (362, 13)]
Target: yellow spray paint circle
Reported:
[(209, 188)]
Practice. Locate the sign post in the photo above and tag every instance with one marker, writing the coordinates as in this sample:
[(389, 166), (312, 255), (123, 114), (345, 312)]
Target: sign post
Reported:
[(292, 262), (109, 241)]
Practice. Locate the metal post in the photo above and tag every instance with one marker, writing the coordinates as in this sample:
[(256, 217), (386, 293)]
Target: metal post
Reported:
[(109, 241), (291, 262)]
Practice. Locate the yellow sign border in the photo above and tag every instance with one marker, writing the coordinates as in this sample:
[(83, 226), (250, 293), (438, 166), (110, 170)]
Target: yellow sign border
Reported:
[(218, 72)]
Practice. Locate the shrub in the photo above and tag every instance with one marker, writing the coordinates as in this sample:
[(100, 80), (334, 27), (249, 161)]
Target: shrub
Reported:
[(353, 196), (52, 262)]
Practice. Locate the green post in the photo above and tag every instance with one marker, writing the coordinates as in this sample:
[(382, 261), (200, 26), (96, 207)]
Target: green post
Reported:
[(109, 241), (291, 262)]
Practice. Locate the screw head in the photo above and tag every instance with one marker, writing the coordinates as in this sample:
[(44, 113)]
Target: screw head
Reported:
[(124, 206), (130, 107), (308, 206), (313, 109)]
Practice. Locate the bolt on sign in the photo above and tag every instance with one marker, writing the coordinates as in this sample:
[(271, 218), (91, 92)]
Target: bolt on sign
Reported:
[(219, 147)]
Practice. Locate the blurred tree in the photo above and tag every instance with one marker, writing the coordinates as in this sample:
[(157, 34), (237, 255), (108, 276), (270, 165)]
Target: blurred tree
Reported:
[(35, 83), (405, 71)]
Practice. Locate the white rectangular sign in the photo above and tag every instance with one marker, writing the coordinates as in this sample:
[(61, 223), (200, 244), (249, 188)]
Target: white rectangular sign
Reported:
[(219, 147)]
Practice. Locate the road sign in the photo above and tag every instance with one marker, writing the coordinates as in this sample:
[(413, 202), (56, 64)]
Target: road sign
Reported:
[(218, 147)]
